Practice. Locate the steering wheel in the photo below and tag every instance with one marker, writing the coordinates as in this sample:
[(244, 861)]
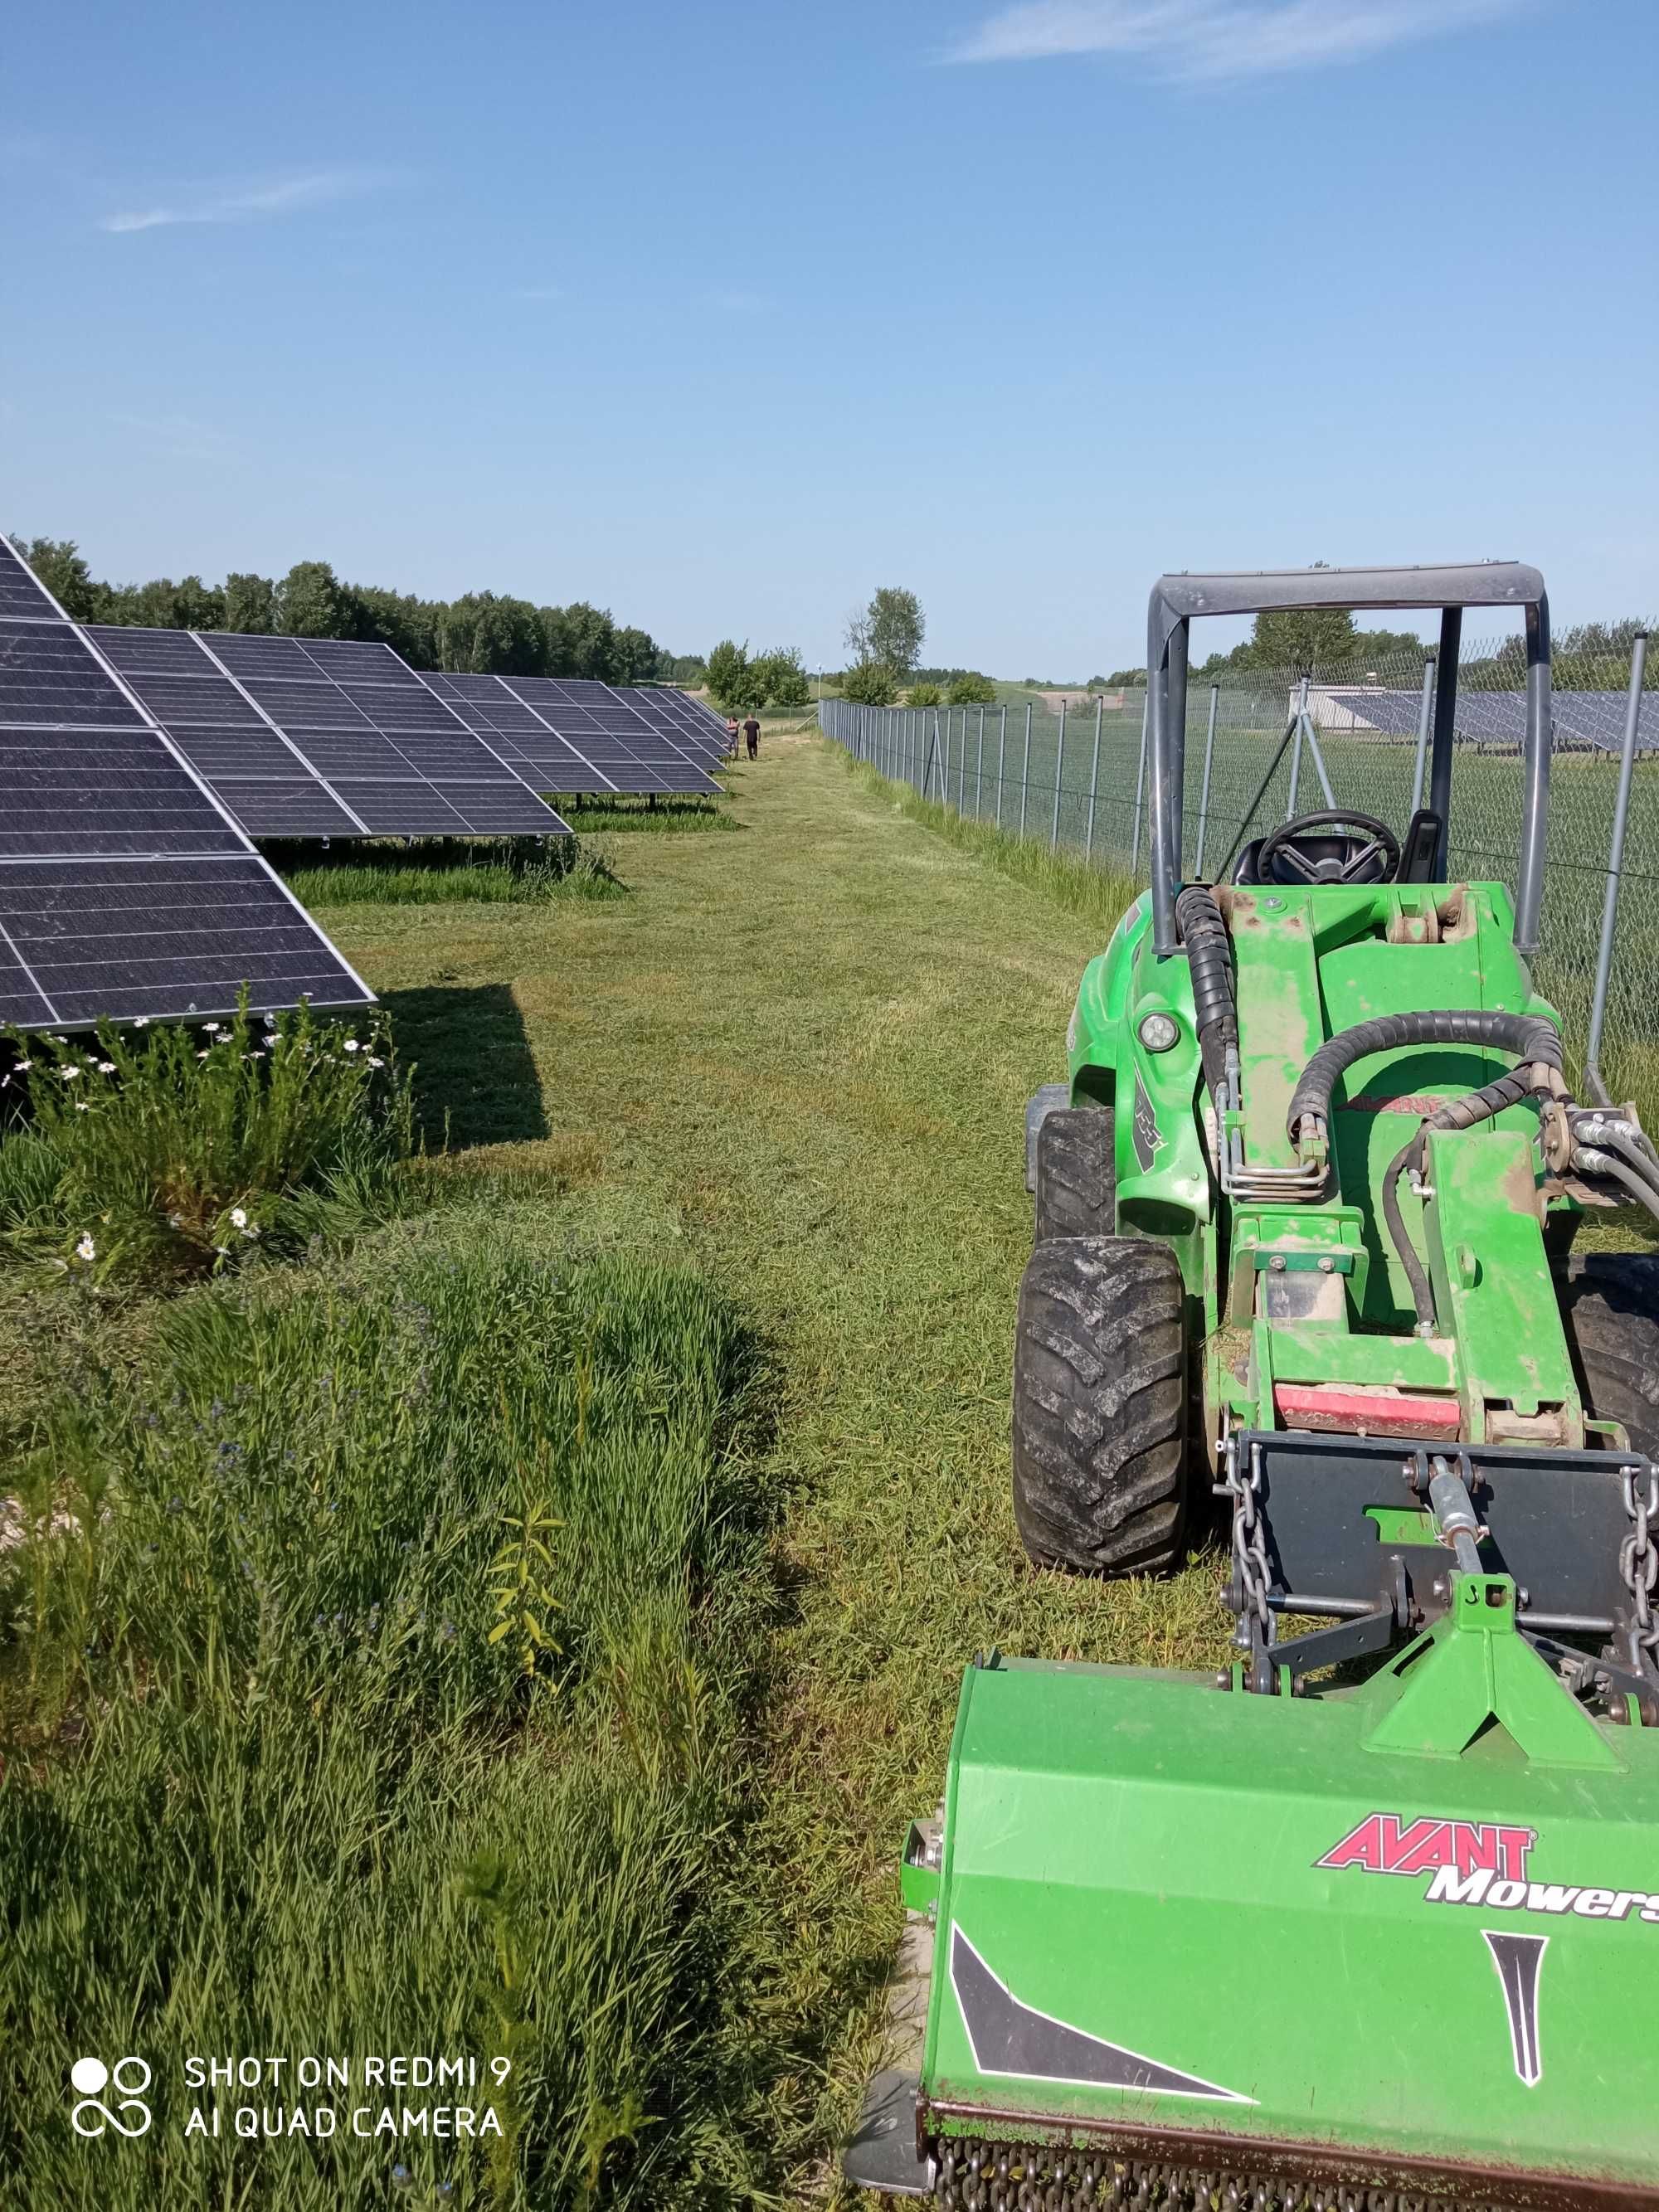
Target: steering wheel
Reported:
[(1370, 857)]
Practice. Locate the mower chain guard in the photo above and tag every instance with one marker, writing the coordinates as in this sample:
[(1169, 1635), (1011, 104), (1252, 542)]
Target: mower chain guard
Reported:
[(1335, 1507)]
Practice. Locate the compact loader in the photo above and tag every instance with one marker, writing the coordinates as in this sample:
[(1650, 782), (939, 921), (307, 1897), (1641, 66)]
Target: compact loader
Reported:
[(1371, 1917)]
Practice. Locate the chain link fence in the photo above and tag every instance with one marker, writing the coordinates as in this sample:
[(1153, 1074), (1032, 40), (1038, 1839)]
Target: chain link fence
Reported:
[(1264, 744)]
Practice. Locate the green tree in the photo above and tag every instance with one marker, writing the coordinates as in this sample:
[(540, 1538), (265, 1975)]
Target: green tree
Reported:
[(581, 642), (409, 626), (889, 631), (1301, 639), (870, 684), (635, 656), (312, 602), (57, 562), (784, 677), (924, 695), (729, 679), (484, 634), (250, 603), (972, 689)]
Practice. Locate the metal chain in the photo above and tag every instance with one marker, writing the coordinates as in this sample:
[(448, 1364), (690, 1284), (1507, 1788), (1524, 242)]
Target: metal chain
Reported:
[(1252, 1575), (1638, 1563)]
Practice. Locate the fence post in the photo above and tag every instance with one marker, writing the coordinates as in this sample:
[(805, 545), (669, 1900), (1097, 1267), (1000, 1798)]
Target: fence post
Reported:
[(1059, 770), (1094, 786), (1002, 751), (1638, 662), (961, 766), (1140, 787), (1296, 749), (1424, 714), (1203, 792), (979, 768), (944, 763), (1025, 770)]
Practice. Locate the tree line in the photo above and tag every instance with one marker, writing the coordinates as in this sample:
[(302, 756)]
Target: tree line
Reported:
[(481, 633)]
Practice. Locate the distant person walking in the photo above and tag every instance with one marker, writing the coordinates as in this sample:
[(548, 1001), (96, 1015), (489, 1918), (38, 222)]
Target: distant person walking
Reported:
[(751, 736), (731, 735)]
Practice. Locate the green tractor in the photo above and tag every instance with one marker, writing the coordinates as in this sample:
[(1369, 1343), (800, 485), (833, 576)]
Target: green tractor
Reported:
[(1371, 1917)]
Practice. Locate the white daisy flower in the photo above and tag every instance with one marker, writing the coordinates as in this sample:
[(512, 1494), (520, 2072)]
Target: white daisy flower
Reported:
[(82, 1107), (70, 1074), (351, 1045), (212, 1028), (141, 1021), (106, 1068), (238, 1217), (86, 1250), (375, 1062)]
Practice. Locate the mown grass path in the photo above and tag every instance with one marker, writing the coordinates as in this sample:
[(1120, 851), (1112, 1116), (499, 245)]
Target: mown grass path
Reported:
[(805, 1048)]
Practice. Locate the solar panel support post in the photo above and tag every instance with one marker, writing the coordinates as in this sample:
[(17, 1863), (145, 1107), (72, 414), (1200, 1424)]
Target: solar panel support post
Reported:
[(1059, 770), (1025, 770), (1638, 662), (1317, 756), (1094, 786), (1140, 785), (1204, 789), (1002, 754), (1423, 713)]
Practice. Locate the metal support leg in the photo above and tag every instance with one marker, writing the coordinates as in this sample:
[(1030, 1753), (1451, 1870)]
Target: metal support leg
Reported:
[(1424, 714), (1296, 751)]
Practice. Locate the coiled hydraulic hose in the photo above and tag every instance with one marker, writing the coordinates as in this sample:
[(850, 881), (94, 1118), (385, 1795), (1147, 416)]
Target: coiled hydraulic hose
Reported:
[(1210, 957), (1457, 1113), (1533, 1038)]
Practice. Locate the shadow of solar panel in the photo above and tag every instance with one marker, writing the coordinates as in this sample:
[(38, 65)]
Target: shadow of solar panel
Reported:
[(284, 806), (22, 594), (168, 939)]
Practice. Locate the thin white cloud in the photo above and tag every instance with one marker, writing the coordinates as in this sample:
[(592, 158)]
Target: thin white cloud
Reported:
[(290, 195), (1220, 38)]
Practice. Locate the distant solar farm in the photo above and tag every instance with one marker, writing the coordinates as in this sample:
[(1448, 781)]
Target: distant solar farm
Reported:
[(137, 765)]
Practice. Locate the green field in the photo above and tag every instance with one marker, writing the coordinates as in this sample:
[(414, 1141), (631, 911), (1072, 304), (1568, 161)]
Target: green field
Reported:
[(714, 1284)]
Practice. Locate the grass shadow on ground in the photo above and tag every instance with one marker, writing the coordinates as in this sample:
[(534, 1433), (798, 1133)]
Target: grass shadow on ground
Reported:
[(474, 1075)]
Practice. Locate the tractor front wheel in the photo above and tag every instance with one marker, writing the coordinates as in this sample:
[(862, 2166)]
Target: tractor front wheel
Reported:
[(1100, 1404), (1610, 1306)]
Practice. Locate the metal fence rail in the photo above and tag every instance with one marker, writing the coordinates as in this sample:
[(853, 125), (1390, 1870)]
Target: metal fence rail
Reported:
[(1263, 744)]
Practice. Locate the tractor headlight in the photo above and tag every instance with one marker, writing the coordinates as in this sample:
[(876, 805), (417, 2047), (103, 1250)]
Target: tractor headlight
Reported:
[(1157, 1032)]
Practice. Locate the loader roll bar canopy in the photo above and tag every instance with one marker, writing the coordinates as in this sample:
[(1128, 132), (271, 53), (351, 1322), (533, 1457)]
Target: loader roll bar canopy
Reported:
[(1176, 599)]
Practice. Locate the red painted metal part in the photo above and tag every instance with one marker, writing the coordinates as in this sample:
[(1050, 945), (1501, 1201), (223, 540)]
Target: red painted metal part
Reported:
[(1349, 1411)]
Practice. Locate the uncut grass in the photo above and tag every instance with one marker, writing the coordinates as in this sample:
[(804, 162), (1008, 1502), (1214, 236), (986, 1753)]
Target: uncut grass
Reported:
[(269, 1786), (557, 869), (814, 1044), (665, 819)]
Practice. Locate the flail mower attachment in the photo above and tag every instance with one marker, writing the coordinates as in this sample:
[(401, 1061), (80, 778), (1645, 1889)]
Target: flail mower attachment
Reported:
[(1370, 1918)]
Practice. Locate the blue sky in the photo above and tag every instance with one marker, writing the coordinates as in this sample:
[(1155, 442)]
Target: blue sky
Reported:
[(722, 314)]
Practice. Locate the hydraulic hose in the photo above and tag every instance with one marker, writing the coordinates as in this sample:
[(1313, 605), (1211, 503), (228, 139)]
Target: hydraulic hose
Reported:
[(1533, 1038), (1457, 1113), (1210, 957)]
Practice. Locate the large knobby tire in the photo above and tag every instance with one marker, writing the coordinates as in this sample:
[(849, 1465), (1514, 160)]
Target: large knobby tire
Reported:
[(1100, 1406), (1610, 1306), (1076, 1174)]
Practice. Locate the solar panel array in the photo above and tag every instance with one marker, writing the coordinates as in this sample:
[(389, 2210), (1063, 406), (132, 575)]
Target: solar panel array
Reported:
[(563, 734), (1592, 719), (125, 889), (321, 737)]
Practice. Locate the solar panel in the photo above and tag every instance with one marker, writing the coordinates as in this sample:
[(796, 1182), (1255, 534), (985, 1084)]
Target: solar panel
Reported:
[(22, 595), (317, 715), (1592, 719), (125, 889), (597, 722)]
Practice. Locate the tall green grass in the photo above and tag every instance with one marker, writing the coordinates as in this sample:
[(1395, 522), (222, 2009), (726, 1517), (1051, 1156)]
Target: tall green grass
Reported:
[(498, 872), (668, 818), (167, 1151), (305, 1751)]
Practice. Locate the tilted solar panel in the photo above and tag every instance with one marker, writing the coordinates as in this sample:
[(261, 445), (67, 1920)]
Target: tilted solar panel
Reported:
[(125, 889), (319, 714)]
